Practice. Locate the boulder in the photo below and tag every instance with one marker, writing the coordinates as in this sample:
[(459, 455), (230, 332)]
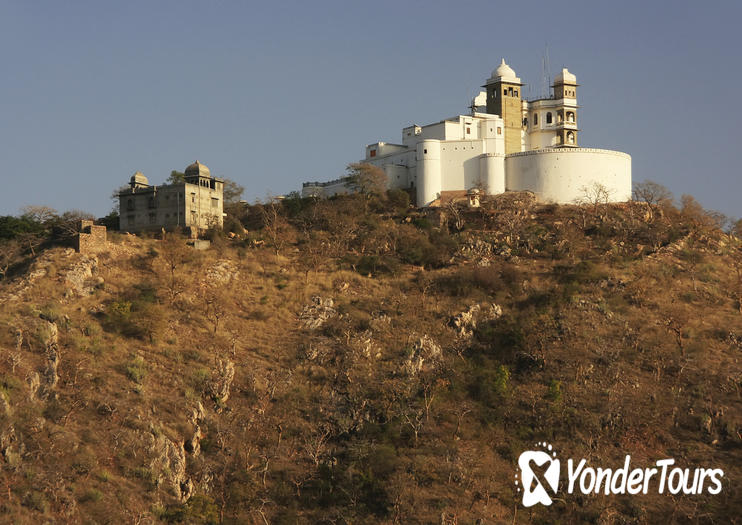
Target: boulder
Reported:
[(319, 311)]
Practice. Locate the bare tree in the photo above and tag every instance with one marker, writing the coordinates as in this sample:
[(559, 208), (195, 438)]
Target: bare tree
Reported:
[(596, 195), (455, 211), (215, 305), (40, 214), (651, 193), (174, 253), (367, 179), (274, 223), (68, 224)]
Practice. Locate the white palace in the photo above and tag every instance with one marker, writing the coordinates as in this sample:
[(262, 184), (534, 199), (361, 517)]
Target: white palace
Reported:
[(507, 143)]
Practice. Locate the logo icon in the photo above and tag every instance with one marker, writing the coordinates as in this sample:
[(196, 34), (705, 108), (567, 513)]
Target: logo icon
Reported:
[(539, 475)]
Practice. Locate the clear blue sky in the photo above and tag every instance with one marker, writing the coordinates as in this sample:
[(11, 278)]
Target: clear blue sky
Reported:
[(273, 94)]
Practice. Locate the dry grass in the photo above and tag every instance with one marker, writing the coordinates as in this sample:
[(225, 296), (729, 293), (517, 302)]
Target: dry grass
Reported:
[(600, 352)]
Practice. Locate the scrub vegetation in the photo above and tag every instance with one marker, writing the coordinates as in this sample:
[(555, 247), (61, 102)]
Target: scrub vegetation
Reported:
[(357, 360)]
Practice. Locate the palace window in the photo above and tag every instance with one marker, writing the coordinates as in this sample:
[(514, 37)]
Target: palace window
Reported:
[(548, 117), (535, 119), (570, 116), (130, 204)]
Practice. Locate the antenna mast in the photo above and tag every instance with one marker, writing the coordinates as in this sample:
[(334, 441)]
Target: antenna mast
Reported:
[(545, 74)]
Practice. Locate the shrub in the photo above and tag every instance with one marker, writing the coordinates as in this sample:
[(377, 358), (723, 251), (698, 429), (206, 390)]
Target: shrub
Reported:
[(489, 387), (141, 318), (399, 200), (555, 391), (136, 369), (376, 264), (91, 495), (468, 279)]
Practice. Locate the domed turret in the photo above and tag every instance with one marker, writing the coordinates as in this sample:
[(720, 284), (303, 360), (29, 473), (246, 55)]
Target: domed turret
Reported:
[(138, 180), (504, 73), (197, 169), (565, 77)]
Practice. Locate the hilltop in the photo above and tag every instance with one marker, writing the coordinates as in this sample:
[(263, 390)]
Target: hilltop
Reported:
[(356, 360)]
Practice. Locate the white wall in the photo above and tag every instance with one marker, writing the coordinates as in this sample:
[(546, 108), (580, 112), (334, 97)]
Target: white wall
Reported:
[(558, 175), (429, 182), (492, 171), (460, 164)]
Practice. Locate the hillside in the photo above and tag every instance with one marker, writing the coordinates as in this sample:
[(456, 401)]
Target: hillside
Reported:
[(359, 361)]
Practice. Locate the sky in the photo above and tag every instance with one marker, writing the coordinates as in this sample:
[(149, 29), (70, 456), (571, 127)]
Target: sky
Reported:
[(272, 94)]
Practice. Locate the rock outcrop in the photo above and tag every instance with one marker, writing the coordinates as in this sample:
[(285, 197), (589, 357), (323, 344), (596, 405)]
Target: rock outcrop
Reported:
[(425, 349), (221, 382), (49, 334), (169, 466), (320, 310), (466, 322)]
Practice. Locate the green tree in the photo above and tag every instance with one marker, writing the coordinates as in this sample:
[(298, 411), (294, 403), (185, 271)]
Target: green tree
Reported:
[(232, 192), (175, 177)]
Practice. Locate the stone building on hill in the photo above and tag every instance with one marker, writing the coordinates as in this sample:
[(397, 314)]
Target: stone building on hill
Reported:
[(197, 203)]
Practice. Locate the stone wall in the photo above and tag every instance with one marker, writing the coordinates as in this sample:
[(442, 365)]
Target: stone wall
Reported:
[(91, 239)]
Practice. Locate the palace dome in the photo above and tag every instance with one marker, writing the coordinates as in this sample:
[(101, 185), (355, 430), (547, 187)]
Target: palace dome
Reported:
[(197, 169), (505, 73)]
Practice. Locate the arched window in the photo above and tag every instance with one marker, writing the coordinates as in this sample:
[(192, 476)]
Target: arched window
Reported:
[(525, 122), (535, 119), (548, 117), (571, 137), (570, 116), (130, 204)]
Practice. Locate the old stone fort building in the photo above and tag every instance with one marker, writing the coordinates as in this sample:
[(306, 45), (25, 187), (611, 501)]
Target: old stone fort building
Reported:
[(506, 143), (195, 204)]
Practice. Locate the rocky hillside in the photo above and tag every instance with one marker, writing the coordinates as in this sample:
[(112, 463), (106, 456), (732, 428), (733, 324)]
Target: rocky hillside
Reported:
[(357, 361)]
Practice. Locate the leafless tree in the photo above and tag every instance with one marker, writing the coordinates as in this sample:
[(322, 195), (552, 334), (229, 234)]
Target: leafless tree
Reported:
[(174, 253), (40, 214), (274, 223), (414, 419), (215, 305), (367, 179), (596, 195), (675, 327), (651, 193), (68, 224), (455, 211)]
